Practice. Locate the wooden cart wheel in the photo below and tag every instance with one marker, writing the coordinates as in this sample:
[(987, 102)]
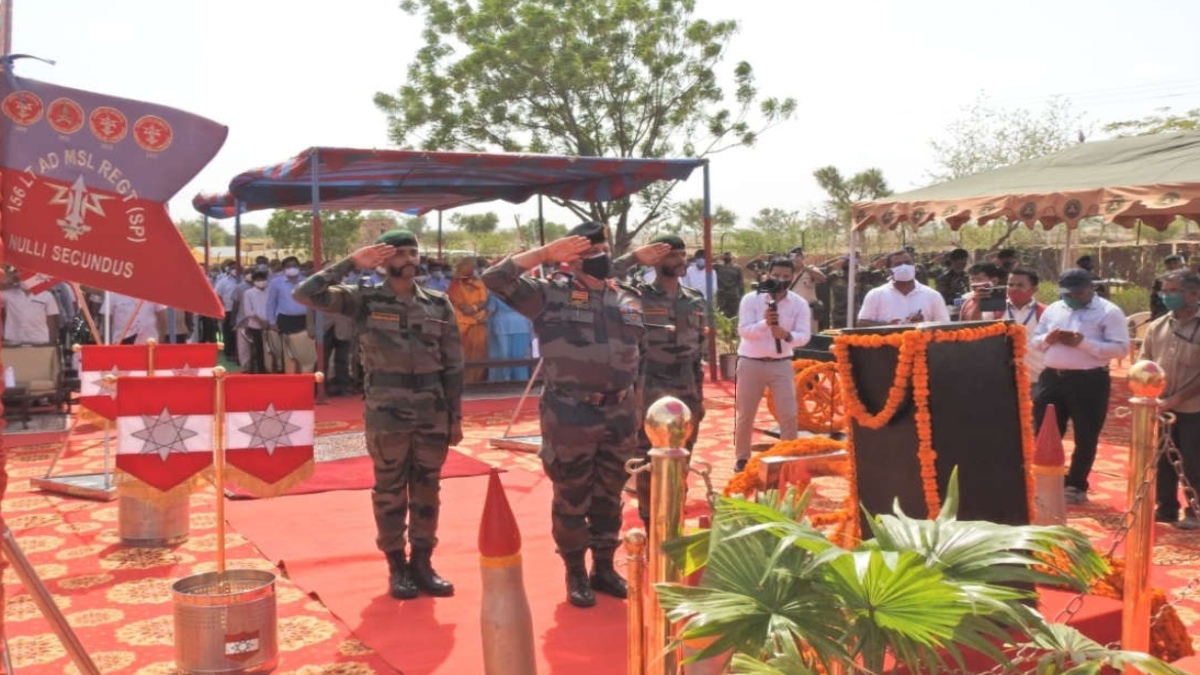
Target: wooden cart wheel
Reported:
[(798, 366), (820, 408)]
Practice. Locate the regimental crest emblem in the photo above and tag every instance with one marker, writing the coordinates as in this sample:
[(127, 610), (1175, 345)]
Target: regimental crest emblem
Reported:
[(1073, 209), (79, 203), (23, 107), (152, 133), (108, 124), (1029, 210), (65, 116)]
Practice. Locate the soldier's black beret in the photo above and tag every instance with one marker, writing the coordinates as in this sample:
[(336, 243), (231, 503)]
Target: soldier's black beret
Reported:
[(397, 237), (596, 233), (675, 242)]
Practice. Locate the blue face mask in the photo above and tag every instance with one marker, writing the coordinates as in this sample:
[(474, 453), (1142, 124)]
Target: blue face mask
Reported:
[(699, 264), (1073, 302), (1172, 301)]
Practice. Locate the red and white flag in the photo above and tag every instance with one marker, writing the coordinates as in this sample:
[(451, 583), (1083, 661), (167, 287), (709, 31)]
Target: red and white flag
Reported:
[(185, 359), (268, 431), (36, 282), (164, 430), (98, 361)]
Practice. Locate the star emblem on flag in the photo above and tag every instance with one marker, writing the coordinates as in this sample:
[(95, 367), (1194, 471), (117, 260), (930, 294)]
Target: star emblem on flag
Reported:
[(164, 433), (108, 388), (270, 428), (186, 370)]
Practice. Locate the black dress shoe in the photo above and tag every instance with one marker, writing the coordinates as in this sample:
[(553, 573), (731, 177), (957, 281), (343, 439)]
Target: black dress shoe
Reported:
[(579, 591), (400, 580), (426, 579), (605, 579), (739, 465)]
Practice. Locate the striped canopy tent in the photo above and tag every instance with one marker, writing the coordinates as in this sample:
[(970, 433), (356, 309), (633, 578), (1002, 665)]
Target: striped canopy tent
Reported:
[(1129, 181)]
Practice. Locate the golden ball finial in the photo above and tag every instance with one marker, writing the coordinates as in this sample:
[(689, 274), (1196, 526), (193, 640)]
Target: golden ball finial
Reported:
[(1147, 379), (668, 423)]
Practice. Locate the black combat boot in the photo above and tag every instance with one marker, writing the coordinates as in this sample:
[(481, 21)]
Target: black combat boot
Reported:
[(400, 579), (425, 577), (579, 592), (604, 578)]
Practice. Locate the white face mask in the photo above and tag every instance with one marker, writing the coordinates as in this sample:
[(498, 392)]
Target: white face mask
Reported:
[(291, 271), (260, 284), (904, 273)]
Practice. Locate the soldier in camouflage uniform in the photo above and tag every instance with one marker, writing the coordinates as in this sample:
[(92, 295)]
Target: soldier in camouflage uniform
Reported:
[(675, 319), (412, 355), (592, 339)]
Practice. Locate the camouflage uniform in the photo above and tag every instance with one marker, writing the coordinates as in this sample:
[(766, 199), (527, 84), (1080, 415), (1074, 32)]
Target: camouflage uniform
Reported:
[(412, 356), (591, 342)]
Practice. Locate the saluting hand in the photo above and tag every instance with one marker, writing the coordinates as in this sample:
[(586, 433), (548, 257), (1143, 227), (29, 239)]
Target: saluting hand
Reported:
[(370, 257), (650, 254), (565, 250)]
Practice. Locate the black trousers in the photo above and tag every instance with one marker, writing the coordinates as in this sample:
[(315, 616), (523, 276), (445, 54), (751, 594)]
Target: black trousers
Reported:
[(1080, 397), (1185, 433)]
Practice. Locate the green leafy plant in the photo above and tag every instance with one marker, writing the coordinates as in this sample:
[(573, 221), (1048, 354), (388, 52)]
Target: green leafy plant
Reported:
[(784, 599), (727, 333)]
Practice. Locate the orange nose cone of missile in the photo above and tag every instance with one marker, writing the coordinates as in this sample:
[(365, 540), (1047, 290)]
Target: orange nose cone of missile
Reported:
[(499, 535), (1049, 450)]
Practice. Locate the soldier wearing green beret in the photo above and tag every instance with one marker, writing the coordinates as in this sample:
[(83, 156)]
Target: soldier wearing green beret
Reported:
[(675, 321), (412, 355), (592, 340)]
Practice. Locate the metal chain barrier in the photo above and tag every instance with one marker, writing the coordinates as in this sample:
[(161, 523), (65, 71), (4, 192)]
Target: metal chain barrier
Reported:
[(704, 470), (1192, 500)]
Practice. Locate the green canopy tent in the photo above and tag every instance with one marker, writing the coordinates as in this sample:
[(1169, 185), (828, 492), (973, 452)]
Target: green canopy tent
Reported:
[(1141, 179)]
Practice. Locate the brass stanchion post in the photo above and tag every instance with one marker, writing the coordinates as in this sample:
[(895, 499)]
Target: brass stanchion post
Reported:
[(218, 432), (1146, 382), (668, 425), (635, 573)]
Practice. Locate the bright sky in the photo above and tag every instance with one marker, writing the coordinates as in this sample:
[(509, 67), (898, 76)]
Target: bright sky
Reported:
[(875, 80)]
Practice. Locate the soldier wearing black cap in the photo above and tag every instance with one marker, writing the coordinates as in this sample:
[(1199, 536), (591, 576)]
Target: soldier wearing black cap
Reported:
[(412, 354), (592, 338), (675, 319)]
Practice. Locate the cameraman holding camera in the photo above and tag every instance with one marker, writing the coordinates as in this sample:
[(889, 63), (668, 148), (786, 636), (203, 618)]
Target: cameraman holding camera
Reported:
[(988, 297), (772, 322)]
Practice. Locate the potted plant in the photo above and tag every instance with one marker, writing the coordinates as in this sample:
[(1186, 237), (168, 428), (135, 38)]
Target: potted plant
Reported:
[(727, 343), (784, 599)]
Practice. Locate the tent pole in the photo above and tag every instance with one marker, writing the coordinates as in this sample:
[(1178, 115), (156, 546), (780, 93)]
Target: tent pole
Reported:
[(207, 245), (851, 275), (237, 235), (440, 236), (1067, 263), (541, 224), (708, 277), (318, 263)]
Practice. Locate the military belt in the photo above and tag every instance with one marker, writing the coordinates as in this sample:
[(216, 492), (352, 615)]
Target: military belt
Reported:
[(403, 380), (596, 398)]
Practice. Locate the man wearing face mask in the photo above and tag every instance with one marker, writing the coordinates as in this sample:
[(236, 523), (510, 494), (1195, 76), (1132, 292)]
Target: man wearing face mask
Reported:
[(437, 280), (903, 301), (1078, 336), (1173, 341), (1022, 307), (675, 322), (254, 321), (591, 334), (698, 276), (289, 319), (410, 348)]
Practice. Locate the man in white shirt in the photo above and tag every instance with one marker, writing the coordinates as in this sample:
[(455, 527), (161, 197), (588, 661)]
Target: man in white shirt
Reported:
[(133, 321), (765, 355), (253, 320), (902, 301), (697, 277), (1023, 308), (1078, 336), (29, 318)]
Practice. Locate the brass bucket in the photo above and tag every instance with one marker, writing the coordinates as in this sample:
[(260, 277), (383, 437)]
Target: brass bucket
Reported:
[(141, 523), (226, 622)]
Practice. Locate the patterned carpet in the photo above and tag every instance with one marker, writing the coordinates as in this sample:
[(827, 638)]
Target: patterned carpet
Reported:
[(118, 599)]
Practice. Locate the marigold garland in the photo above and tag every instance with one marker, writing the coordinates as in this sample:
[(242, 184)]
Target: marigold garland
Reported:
[(855, 409)]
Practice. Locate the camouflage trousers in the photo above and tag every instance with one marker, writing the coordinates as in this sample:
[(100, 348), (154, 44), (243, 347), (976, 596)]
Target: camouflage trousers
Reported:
[(408, 446), (695, 403), (584, 450)]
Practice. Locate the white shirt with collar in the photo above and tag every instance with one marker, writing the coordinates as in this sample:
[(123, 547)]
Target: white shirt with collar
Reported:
[(694, 278), (1102, 324), (757, 342), (885, 304), (25, 316), (1028, 318)]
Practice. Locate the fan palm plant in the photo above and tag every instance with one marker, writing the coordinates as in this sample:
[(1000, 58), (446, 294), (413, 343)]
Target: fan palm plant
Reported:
[(784, 599)]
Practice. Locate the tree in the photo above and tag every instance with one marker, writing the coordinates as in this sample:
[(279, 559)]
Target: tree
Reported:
[(773, 230), (843, 192), (252, 230), (613, 78), (193, 233), (292, 230), (687, 220), (1163, 122), (476, 223)]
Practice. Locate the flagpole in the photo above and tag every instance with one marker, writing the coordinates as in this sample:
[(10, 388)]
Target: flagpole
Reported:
[(219, 464), (150, 345)]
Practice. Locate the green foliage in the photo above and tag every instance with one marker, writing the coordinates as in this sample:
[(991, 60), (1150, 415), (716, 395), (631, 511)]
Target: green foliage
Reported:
[(614, 78), (686, 220), (475, 223), (771, 229), (727, 333), (784, 598), (253, 231), (1163, 121), (192, 232), (862, 186), (292, 230)]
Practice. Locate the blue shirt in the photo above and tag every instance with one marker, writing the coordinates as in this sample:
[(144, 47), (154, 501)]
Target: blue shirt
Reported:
[(504, 320), (279, 298), (1102, 324), (442, 284)]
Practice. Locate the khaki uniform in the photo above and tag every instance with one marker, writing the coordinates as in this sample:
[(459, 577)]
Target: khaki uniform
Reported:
[(592, 343), (412, 356), (674, 354)]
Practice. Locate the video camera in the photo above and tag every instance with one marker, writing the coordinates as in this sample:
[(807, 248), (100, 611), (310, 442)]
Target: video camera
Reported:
[(996, 300), (770, 285)]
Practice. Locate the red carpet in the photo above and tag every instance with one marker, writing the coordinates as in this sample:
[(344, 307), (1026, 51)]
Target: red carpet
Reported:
[(354, 473), (337, 561)]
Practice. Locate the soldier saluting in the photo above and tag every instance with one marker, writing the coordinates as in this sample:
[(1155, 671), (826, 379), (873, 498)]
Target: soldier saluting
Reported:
[(675, 321), (412, 355), (592, 338)]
